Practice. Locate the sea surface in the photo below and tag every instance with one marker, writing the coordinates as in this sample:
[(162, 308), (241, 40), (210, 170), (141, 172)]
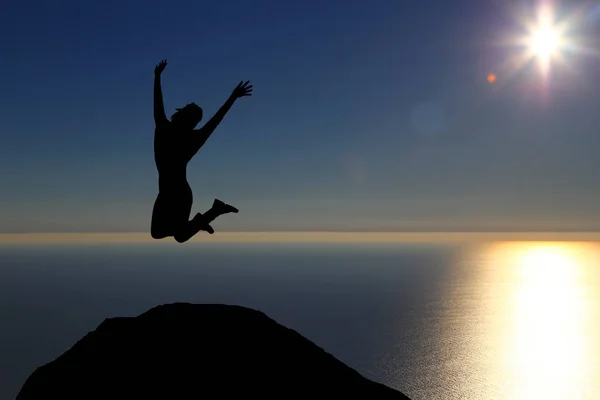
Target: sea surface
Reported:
[(498, 320)]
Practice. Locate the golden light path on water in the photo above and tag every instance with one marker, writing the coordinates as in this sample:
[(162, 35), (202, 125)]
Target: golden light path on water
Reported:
[(547, 332)]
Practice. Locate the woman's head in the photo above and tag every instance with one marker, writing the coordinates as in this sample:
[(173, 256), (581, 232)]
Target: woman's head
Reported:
[(187, 117)]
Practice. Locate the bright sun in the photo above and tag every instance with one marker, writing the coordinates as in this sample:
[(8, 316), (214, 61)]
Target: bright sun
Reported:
[(547, 39), (544, 42)]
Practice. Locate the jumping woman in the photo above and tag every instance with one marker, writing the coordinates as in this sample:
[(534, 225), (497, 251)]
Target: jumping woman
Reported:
[(175, 143)]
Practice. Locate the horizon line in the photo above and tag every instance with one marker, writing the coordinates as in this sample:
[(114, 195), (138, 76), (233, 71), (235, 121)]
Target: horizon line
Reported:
[(300, 237)]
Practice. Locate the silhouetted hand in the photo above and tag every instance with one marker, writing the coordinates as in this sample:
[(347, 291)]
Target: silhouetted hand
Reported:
[(242, 89), (160, 67)]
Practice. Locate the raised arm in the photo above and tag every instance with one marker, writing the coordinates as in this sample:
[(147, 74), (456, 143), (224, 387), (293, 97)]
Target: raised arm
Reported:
[(202, 134), (159, 108)]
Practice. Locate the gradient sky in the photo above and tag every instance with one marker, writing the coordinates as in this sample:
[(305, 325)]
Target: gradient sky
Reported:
[(366, 115)]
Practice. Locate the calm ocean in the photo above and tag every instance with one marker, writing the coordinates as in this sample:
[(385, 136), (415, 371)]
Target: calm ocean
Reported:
[(436, 321)]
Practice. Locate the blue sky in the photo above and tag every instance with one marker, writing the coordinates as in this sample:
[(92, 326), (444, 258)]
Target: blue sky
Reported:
[(365, 115)]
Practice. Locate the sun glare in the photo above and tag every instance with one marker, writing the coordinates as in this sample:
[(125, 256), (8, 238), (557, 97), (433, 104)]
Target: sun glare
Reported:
[(544, 42), (546, 38), (547, 344)]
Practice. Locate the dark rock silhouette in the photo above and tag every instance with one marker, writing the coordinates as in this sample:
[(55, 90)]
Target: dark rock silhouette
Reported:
[(193, 351)]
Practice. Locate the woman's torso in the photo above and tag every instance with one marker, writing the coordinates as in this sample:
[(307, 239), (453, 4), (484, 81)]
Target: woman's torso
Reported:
[(170, 156)]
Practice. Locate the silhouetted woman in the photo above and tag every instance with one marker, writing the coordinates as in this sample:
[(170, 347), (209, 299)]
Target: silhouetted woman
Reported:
[(175, 143)]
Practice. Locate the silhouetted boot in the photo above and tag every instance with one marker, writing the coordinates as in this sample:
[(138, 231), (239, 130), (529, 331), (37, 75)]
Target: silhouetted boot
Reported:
[(202, 224), (218, 208), (222, 208)]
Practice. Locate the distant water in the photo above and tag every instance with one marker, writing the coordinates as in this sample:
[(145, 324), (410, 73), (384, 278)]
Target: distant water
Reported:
[(436, 321)]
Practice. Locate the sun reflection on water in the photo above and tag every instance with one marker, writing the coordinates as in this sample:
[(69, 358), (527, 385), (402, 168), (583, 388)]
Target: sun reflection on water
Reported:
[(546, 339)]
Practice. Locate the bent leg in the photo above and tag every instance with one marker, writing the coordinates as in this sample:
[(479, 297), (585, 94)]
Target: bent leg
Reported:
[(186, 231), (160, 226), (171, 212), (202, 221)]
